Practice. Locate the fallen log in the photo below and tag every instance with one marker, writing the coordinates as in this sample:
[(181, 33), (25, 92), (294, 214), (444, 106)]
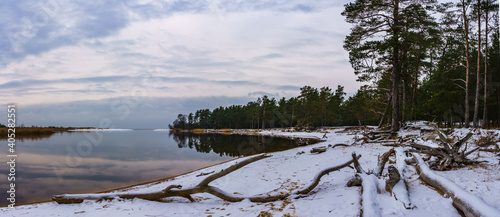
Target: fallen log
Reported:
[(204, 174), (381, 162), (399, 190), (469, 204), (317, 178), (449, 155), (171, 191), (202, 187), (369, 204), (318, 150), (340, 144)]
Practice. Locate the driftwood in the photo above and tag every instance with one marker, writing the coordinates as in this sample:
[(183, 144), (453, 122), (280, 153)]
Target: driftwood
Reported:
[(340, 144), (318, 150), (394, 178), (171, 191), (204, 174), (202, 187), (368, 182), (317, 178), (378, 136), (469, 204), (397, 181), (381, 162), (449, 155)]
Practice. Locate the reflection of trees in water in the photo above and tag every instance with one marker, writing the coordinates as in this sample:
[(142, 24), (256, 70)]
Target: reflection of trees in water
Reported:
[(231, 145)]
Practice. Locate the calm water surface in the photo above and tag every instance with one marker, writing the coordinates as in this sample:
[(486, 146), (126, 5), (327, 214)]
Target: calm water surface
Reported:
[(83, 162)]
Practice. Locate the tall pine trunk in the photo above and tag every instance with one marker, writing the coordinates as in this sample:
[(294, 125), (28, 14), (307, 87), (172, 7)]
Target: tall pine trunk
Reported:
[(478, 73), (485, 105), (466, 33), (395, 70)]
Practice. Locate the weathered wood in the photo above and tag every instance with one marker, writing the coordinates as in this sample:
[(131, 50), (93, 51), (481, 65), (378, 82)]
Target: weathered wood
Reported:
[(204, 174), (469, 204), (381, 162), (340, 144), (394, 178), (448, 155), (369, 204), (357, 166), (399, 191), (326, 171), (202, 187), (318, 150)]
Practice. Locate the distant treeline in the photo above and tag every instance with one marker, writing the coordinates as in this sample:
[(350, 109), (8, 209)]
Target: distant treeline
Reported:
[(311, 109), (424, 60)]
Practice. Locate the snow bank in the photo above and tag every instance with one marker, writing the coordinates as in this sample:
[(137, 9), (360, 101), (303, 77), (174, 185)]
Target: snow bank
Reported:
[(290, 171), (470, 204)]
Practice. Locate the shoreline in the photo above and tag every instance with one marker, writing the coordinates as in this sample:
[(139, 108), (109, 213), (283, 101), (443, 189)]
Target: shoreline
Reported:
[(289, 170), (207, 131)]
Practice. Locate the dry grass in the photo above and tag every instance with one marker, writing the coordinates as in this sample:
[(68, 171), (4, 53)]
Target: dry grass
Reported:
[(198, 131), (32, 132)]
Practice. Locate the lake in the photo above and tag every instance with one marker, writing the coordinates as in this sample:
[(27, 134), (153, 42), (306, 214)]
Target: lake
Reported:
[(84, 162)]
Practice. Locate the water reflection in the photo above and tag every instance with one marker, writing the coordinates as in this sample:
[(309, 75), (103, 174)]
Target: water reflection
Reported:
[(46, 166), (231, 145)]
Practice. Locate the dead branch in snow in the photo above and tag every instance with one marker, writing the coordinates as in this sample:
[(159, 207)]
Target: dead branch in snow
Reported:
[(338, 145), (379, 137), (381, 162), (317, 178), (468, 203), (396, 184), (368, 182), (448, 155), (203, 187), (171, 191), (318, 150)]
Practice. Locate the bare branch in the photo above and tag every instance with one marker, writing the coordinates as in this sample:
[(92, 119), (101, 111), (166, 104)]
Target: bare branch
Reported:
[(317, 178)]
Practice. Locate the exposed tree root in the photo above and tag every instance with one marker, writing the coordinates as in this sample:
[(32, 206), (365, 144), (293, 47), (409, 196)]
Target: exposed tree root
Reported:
[(368, 182), (469, 204), (317, 178), (399, 190), (449, 155), (318, 150), (202, 187), (171, 191)]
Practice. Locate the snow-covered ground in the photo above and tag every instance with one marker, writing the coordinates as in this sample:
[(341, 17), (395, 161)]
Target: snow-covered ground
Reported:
[(291, 171)]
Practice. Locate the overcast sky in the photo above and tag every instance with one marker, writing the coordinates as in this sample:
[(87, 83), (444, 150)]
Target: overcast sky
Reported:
[(138, 63)]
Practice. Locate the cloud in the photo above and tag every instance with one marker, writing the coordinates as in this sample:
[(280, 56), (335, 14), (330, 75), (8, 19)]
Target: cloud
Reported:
[(217, 52), (262, 93), (124, 112)]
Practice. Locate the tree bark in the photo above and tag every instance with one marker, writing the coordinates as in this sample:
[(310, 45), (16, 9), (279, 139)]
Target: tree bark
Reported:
[(368, 182), (399, 191), (395, 69), (478, 73), (468, 203), (466, 34), (485, 104), (384, 115)]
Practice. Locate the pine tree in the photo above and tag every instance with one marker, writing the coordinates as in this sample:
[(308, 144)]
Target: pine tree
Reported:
[(381, 19)]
